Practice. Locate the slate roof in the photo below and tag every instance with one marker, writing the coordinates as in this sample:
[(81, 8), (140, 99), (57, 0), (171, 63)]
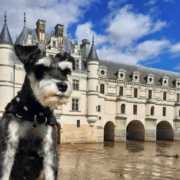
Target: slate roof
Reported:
[(93, 55), (114, 66), (67, 44), (5, 36)]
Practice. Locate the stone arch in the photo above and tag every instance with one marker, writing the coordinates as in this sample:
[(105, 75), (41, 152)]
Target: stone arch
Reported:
[(109, 131), (135, 131), (164, 131), (58, 133)]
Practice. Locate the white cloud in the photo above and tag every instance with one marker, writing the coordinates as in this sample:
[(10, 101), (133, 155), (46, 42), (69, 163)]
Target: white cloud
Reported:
[(126, 26), (175, 48), (84, 31), (142, 52), (151, 2), (112, 4), (53, 12), (158, 26)]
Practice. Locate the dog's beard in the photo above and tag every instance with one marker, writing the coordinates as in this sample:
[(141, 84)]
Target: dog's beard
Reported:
[(47, 93)]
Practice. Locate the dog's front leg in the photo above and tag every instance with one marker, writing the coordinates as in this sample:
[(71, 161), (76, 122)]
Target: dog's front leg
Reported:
[(8, 150), (50, 155)]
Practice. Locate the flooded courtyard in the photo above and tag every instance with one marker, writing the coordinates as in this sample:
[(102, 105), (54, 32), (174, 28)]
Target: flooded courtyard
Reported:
[(119, 160)]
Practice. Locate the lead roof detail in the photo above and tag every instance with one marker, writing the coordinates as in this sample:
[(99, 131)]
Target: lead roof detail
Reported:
[(67, 44), (93, 54), (114, 66), (5, 36)]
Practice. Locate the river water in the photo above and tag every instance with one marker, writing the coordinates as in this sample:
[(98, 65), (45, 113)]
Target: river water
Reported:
[(119, 160)]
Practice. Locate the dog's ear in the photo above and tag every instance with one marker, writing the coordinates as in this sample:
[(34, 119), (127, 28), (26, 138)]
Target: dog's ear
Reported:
[(65, 56), (26, 53)]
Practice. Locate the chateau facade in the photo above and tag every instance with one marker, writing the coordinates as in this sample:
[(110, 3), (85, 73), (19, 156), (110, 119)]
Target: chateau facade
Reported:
[(110, 100)]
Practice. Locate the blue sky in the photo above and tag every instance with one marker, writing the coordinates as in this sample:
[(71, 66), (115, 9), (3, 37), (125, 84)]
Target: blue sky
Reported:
[(144, 32)]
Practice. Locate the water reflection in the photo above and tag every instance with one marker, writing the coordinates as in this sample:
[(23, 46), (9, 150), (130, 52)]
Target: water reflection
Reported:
[(118, 160)]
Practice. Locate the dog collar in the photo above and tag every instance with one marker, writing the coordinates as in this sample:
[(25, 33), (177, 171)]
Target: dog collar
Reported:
[(23, 112)]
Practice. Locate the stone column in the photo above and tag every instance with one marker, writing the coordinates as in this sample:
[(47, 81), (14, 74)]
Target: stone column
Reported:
[(150, 130), (120, 130)]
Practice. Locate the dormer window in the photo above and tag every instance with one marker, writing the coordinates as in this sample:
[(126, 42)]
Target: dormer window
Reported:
[(77, 65), (121, 75), (165, 81), (177, 83), (54, 44), (150, 79), (102, 71), (136, 76)]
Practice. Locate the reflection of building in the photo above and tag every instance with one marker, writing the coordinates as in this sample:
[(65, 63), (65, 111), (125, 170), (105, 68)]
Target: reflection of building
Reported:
[(108, 97)]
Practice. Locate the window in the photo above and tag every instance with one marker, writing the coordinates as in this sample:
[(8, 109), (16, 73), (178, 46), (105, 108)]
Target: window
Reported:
[(75, 84), (78, 123), (51, 56), (54, 44), (99, 108), (177, 97), (102, 88), (135, 109), (150, 94), (77, 65), (75, 103), (123, 109), (121, 91), (152, 111), (135, 93), (164, 111), (164, 96), (179, 112)]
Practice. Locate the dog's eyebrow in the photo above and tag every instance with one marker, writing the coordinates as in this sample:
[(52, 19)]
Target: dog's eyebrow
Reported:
[(65, 65), (46, 61)]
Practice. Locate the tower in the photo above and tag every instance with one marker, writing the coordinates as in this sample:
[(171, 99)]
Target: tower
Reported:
[(92, 66), (6, 67)]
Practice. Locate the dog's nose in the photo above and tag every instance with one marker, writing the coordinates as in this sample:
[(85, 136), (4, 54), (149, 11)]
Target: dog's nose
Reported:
[(62, 86)]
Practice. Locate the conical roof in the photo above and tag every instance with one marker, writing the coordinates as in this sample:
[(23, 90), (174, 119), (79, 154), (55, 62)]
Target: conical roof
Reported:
[(5, 36), (93, 54)]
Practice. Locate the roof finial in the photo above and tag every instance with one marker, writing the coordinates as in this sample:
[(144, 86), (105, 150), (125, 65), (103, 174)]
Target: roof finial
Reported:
[(24, 20), (5, 18), (68, 29), (93, 39), (16, 36)]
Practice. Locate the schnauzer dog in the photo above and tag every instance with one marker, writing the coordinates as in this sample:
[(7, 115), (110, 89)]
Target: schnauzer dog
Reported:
[(27, 132)]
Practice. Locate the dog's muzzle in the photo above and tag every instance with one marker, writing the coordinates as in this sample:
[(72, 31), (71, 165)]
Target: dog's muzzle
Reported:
[(62, 86)]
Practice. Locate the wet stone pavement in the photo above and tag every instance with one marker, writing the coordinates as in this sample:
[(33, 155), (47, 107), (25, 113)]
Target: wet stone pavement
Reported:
[(119, 160)]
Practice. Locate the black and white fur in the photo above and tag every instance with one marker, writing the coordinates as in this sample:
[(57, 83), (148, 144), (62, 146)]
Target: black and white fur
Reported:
[(27, 153)]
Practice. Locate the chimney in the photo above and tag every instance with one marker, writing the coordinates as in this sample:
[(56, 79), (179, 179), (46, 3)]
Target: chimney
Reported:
[(59, 34), (40, 30), (84, 48)]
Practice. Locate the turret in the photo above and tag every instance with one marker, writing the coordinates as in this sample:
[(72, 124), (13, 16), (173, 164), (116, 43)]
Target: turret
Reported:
[(92, 66), (6, 67)]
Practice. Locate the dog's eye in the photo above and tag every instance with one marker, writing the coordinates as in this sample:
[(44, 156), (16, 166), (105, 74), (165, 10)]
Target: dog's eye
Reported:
[(67, 71), (40, 70)]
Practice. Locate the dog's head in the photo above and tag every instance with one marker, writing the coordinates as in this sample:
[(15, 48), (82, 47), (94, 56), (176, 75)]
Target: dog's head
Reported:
[(48, 77)]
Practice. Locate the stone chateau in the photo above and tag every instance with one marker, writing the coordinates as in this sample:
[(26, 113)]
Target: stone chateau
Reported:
[(110, 100)]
